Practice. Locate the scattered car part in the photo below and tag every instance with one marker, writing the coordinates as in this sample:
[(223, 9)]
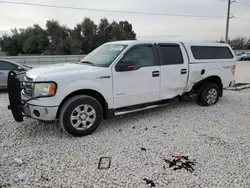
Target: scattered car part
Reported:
[(104, 163), (180, 162), (149, 182)]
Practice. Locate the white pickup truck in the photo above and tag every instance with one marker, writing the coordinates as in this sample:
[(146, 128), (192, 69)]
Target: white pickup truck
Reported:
[(121, 77)]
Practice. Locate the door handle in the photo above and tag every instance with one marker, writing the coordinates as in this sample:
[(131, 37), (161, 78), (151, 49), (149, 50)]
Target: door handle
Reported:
[(156, 73), (183, 71)]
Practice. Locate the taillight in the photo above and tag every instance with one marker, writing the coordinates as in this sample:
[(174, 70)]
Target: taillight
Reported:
[(233, 69)]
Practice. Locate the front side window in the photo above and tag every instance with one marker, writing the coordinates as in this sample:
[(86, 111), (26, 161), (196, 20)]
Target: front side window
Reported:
[(104, 55), (141, 56), (4, 65)]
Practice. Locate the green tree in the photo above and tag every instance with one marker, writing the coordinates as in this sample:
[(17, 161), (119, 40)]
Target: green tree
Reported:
[(12, 44), (247, 45), (57, 39), (121, 31), (116, 33), (104, 31), (238, 43), (76, 39), (129, 34), (89, 34), (84, 35), (36, 40)]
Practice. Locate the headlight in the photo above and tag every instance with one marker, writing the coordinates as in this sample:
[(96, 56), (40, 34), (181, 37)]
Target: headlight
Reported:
[(44, 89)]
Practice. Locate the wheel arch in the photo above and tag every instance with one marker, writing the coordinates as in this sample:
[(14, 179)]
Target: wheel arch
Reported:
[(90, 92), (211, 79)]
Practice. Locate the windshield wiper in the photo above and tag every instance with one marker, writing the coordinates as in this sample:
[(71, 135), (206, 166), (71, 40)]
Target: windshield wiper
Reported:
[(88, 62)]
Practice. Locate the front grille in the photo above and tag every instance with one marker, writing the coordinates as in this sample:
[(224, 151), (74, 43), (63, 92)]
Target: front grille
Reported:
[(27, 87), (28, 79)]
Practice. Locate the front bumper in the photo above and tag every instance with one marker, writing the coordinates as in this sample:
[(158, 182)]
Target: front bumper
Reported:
[(20, 107), (43, 113)]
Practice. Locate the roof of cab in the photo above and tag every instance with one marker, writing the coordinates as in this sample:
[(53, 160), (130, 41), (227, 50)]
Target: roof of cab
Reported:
[(130, 42)]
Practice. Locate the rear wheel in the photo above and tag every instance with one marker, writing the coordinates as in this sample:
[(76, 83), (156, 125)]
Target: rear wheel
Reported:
[(80, 115), (208, 95)]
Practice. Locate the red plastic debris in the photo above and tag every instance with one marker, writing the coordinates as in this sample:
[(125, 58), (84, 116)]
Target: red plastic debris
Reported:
[(177, 156)]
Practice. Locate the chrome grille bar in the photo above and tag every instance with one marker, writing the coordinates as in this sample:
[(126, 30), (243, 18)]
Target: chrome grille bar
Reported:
[(27, 87)]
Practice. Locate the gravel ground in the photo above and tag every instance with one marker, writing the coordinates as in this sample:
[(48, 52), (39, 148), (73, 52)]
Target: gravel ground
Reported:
[(242, 72), (217, 137)]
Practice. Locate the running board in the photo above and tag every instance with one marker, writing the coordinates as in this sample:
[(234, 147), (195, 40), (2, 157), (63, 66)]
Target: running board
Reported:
[(139, 109)]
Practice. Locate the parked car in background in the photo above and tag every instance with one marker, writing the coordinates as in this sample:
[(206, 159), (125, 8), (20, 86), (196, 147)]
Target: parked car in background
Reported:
[(6, 66), (246, 56), (239, 55)]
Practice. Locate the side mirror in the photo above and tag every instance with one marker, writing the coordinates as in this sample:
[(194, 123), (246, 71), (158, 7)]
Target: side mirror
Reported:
[(125, 66)]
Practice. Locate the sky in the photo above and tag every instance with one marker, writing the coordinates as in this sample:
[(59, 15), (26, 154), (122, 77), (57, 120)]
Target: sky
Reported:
[(147, 27)]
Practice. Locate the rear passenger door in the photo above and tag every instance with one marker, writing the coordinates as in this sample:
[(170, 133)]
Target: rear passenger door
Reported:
[(173, 68)]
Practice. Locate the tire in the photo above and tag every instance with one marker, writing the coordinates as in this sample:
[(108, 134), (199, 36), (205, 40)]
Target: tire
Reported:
[(208, 94), (80, 115)]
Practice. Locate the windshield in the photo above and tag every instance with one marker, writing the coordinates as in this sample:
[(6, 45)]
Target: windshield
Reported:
[(104, 55)]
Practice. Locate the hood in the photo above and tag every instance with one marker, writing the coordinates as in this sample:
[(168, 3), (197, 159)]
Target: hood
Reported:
[(41, 73)]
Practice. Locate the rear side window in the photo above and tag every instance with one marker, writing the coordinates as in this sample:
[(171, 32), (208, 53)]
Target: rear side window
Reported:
[(211, 52), (171, 54)]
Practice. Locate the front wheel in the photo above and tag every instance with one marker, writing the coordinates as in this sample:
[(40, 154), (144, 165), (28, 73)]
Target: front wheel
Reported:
[(80, 115), (209, 94)]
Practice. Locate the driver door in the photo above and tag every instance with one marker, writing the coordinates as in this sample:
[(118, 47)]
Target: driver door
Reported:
[(140, 83)]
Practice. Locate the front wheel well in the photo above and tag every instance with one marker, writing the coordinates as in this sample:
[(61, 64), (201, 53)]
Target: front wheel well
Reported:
[(211, 79), (95, 94)]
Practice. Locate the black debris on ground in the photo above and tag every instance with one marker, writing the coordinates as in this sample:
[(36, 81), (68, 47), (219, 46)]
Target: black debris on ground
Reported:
[(149, 182), (240, 84), (146, 129), (104, 163), (44, 177), (154, 127), (133, 127), (143, 149), (180, 162)]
